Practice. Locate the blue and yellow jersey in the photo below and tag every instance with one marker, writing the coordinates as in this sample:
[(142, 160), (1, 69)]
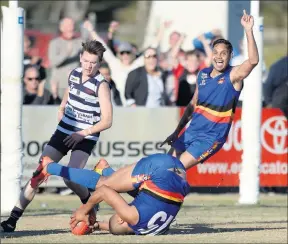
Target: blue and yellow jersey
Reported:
[(216, 104), (161, 179)]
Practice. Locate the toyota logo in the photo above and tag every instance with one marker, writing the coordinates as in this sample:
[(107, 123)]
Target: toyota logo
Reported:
[(274, 135)]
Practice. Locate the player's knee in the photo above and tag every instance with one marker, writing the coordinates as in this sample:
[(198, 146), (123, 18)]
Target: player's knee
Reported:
[(102, 182)]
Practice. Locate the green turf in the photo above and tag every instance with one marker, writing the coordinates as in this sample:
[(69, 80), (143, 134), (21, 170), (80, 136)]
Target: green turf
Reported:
[(202, 219)]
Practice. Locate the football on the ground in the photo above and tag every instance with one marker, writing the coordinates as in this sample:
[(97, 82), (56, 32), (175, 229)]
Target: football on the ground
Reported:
[(82, 228)]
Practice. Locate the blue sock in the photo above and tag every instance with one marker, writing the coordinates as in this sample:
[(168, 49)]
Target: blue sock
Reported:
[(83, 177), (108, 171)]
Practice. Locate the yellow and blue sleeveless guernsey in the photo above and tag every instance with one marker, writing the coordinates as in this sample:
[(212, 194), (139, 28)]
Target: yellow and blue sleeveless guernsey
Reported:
[(212, 117), (161, 192)]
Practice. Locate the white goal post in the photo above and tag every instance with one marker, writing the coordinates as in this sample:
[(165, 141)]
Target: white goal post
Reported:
[(12, 31), (251, 120)]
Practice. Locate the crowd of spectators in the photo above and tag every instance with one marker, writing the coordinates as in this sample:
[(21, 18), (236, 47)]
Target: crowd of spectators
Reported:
[(148, 77)]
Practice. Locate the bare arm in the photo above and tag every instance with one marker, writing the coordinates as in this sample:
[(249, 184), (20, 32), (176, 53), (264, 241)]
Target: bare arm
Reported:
[(64, 99), (111, 30), (103, 225), (172, 58), (207, 49), (100, 225), (175, 50), (104, 95), (240, 72), (156, 42), (108, 54), (104, 193), (63, 104)]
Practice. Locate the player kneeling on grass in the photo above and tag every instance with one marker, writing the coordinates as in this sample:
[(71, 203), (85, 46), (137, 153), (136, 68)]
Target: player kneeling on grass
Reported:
[(159, 178)]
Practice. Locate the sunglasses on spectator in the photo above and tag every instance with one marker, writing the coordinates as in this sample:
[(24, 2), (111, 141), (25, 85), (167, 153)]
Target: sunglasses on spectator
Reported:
[(33, 78), (125, 52), (151, 56)]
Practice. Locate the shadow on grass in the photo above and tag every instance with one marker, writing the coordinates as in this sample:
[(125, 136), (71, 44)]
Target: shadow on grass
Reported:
[(25, 233), (254, 222), (204, 207), (180, 229), (184, 229), (54, 211)]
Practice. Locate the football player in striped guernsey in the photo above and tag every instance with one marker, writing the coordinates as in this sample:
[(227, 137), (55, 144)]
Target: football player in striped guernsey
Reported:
[(85, 111)]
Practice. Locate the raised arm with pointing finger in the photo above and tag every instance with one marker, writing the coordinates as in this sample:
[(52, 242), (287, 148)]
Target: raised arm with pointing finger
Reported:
[(240, 72), (214, 103)]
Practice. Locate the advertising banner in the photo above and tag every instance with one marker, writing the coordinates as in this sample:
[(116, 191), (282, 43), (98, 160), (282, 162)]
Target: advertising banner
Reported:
[(136, 133), (222, 169)]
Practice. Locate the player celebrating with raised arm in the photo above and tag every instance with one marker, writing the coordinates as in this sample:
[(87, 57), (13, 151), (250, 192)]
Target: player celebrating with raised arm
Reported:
[(214, 102), (85, 111)]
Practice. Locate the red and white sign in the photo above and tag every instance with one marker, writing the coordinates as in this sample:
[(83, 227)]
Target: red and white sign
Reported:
[(223, 168)]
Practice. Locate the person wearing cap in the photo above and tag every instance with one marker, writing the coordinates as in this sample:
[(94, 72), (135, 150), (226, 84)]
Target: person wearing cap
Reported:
[(124, 61)]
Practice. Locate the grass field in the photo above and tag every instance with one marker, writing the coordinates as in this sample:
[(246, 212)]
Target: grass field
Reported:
[(203, 219)]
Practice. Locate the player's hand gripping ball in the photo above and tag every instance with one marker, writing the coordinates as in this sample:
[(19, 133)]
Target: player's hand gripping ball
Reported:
[(82, 227)]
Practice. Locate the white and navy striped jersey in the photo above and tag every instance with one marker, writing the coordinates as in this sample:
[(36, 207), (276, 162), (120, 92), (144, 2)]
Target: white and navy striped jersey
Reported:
[(82, 109)]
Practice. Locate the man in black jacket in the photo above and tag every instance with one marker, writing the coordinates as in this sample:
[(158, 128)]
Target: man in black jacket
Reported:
[(146, 85), (276, 86)]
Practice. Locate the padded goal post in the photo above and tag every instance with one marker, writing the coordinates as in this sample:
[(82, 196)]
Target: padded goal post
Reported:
[(12, 31)]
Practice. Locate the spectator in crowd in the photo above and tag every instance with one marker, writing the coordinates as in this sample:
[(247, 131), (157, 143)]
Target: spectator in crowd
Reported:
[(124, 62), (276, 86), (113, 26), (146, 85), (203, 43), (34, 89), (106, 72), (177, 64), (174, 39), (63, 55), (32, 60), (112, 43), (163, 62), (135, 50), (185, 71), (188, 79)]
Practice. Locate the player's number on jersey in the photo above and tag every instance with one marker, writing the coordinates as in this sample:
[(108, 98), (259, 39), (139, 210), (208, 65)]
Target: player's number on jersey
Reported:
[(151, 226)]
